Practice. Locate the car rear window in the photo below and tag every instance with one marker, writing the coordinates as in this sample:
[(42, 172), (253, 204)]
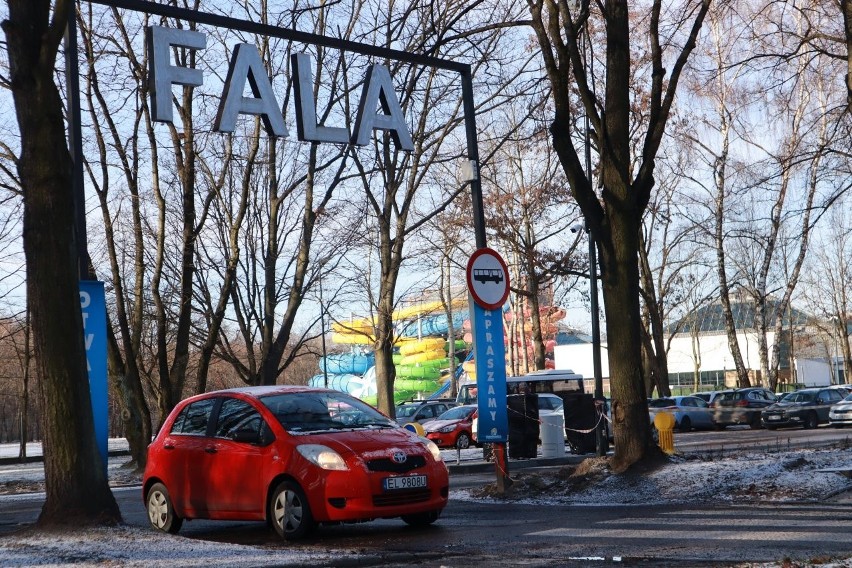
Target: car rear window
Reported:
[(661, 403), (235, 415), (194, 418)]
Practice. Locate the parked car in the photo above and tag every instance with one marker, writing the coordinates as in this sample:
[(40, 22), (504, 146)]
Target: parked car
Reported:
[(549, 403), (422, 410), (287, 456), (741, 406), (454, 428), (805, 407), (689, 411), (840, 414), (706, 396)]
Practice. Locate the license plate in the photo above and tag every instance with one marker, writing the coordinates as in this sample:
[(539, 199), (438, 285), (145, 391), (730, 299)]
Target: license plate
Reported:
[(773, 418), (407, 482)]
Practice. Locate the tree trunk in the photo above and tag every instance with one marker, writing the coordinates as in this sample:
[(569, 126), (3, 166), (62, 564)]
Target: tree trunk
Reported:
[(620, 280), (724, 291), (76, 486), (846, 9), (135, 415), (385, 369)]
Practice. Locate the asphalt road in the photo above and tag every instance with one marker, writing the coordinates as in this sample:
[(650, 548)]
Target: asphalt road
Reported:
[(475, 533)]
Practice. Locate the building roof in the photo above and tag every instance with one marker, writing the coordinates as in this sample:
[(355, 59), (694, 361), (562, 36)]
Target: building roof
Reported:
[(711, 318)]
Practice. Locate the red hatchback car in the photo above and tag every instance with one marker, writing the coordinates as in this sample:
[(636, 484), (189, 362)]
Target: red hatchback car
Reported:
[(453, 428), (292, 456)]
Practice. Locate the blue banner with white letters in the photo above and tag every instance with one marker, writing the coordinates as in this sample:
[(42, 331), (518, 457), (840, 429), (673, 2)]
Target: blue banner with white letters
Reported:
[(93, 307), (490, 357)]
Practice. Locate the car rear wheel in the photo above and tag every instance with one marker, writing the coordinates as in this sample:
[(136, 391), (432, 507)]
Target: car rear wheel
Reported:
[(811, 421), (685, 425), (161, 512), (422, 519), (756, 423), (463, 441), (290, 512)]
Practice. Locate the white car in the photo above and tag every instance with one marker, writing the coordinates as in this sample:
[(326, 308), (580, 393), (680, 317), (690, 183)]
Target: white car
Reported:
[(840, 414), (549, 403)]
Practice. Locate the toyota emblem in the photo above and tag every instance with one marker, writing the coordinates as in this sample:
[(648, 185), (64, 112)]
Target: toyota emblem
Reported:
[(399, 457)]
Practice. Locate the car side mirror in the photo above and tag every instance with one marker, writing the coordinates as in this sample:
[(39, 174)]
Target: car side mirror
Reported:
[(247, 436)]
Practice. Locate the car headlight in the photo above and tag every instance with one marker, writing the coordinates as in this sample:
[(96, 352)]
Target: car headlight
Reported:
[(433, 449), (322, 456), (446, 429)]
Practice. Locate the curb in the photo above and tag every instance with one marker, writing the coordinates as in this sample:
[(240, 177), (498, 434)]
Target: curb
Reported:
[(40, 458), (463, 468), (514, 465)]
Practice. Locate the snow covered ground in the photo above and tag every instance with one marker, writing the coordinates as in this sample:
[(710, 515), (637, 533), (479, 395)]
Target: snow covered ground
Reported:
[(793, 476)]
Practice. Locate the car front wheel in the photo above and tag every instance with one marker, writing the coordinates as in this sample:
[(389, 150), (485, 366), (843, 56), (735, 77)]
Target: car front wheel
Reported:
[(161, 512), (811, 421), (463, 441), (291, 514), (422, 519)]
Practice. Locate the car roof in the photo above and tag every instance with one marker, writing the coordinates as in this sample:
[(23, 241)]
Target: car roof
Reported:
[(260, 391)]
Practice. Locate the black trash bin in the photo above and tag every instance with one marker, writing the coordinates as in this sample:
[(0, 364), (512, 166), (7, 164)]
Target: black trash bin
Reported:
[(580, 421), (523, 425)]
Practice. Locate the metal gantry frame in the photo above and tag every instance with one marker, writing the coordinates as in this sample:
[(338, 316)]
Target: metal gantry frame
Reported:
[(463, 70), (216, 20)]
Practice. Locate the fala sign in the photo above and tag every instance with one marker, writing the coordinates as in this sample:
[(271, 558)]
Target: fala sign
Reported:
[(246, 66)]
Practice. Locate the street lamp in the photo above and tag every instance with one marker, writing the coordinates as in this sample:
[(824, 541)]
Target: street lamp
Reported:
[(601, 442), (835, 331), (322, 334)]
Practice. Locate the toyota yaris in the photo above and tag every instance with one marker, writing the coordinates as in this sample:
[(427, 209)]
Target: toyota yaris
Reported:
[(292, 456)]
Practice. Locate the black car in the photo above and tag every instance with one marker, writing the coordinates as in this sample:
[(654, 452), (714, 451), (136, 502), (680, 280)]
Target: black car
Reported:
[(741, 406), (806, 407)]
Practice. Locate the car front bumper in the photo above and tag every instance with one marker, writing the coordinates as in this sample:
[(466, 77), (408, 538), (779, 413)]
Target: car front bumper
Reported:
[(359, 496), (840, 418), (782, 420)]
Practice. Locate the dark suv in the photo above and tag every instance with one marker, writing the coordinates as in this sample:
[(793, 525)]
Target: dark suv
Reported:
[(741, 406), (806, 407)]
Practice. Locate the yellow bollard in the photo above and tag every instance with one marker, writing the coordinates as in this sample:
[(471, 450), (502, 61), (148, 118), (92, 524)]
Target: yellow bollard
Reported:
[(416, 427), (665, 423)]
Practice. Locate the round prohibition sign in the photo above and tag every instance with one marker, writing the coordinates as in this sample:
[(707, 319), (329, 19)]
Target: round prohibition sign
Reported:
[(488, 279)]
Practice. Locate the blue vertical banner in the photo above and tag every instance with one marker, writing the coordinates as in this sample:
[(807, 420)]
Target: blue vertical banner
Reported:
[(490, 357), (93, 307)]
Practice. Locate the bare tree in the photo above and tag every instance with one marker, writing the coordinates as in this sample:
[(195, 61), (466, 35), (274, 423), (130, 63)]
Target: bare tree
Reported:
[(614, 218), (530, 218), (76, 486), (828, 278), (403, 190)]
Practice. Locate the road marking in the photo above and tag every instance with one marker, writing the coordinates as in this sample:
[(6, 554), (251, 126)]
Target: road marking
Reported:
[(706, 520), (667, 534)]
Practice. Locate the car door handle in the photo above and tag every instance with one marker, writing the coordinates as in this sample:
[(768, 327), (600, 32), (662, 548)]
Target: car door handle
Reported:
[(210, 450), (168, 447)]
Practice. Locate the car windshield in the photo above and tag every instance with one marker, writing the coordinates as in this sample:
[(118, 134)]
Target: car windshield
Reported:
[(311, 412), (848, 398), (457, 413), (661, 403)]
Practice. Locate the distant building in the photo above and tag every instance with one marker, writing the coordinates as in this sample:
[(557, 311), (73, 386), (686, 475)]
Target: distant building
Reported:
[(700, 347)]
